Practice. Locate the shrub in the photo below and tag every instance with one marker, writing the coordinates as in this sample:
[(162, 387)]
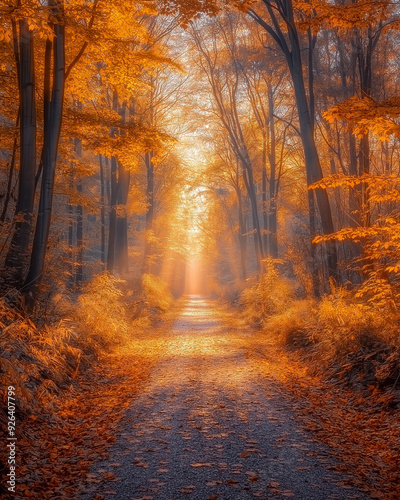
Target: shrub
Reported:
[(101, 312), (344, 325), (293, 326), (155, 293), (271, 295), (38, 362)]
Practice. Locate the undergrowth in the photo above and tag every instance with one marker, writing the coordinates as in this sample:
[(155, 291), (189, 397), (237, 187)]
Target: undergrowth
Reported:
[(353, 340), (41, 356)]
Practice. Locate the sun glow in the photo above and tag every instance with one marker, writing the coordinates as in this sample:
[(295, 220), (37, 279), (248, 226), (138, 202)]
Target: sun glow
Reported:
[(195, 277)]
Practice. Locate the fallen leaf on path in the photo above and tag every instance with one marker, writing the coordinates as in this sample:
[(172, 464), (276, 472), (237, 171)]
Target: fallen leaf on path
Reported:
[(109, 476)]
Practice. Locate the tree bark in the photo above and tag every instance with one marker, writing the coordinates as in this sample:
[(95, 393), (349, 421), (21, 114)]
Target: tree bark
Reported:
[(313, 166), (79, 239), (52, 131), (289, 43), (112, 217), (10, 177), (273, 191), (149, 211), (122, 220), (18, 252), (242, 234), (102, 212)]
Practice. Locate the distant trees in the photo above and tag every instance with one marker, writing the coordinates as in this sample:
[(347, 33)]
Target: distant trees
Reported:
[(272, 126), (57, 55), (330, 53), (277, 18), (25, 76)]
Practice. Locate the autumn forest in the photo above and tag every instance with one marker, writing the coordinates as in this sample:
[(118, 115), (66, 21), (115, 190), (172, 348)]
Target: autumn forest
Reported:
[(200, 249)]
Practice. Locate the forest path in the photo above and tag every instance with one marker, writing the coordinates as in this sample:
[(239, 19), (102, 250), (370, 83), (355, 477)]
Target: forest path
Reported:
[(209, 425)]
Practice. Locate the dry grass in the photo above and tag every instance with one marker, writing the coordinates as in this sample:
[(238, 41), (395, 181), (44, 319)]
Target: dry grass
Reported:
[(271, 295), (39, 362), (41, 358), (342, 335), (155, 293)]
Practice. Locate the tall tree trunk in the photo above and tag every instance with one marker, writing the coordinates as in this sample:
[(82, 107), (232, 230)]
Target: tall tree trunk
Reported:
[(313, 166), (242, 234), (290, 46), (149, 211), (71, 223), (354, 201), (122, 220), (313, 262), (102, 212), (50, 147), (79, 239), (364, 64), (272, 208), (10, 177), (18, 253), (118, 224), (264, 200), (112, 217), (353, 250), (78, 267), (121, 244), (112, 231), (251, 191)]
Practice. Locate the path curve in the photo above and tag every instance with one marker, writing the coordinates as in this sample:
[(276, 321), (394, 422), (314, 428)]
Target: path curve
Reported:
[(209, 426)]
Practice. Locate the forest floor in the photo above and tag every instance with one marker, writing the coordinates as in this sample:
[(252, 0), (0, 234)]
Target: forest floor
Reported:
[(206, 408)]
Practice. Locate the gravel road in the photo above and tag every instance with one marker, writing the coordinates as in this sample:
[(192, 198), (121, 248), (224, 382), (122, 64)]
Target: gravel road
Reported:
[(208, 426)]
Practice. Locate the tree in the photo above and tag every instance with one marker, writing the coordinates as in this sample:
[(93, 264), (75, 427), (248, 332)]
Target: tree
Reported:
[(24, 60), (223, 73), (277, 18)]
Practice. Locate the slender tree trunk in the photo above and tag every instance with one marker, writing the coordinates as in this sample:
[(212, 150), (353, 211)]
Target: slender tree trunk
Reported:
[(78, 278), (352, 249), (365, 169), (102, 212), (112, 217), (290, 46), (118, 224), (150, 210), (272, 208), (249, 183), (121, 244), (71, 223), (79, 239), (264, 198), (354, 202), (242, 234), (17, 256), (313, 166), (50, 148), (122, 220), (314, 263), (112, 231), (364, 58), (10, 177)]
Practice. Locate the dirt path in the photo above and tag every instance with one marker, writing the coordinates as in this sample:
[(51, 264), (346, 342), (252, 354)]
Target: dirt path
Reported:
[(208, 425)]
